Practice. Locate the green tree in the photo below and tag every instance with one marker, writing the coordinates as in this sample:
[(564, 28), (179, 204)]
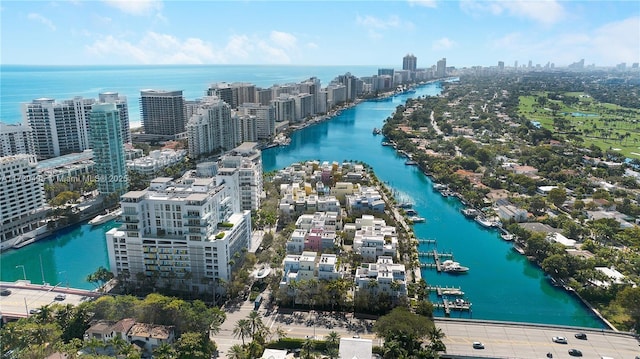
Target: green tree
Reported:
[(242, 330), (194, 346), (164, 351), (629, 299), (557, 196), (100, 277)]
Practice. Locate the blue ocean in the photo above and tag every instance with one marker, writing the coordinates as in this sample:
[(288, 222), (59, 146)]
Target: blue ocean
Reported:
[(19, 84)]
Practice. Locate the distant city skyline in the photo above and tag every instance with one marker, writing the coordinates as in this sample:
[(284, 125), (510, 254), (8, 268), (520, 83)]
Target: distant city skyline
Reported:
[(467, 33)]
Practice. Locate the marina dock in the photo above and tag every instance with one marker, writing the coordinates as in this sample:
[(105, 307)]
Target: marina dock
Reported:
[(437, 257), (426, 241), (443, 291), (449, 306)]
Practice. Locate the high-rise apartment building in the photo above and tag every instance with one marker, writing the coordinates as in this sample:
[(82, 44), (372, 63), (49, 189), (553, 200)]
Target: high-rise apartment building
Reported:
[(22, 205), (265, 119), (285, 108), (58, 128), (16, 139), (123, 108), (234, 94), (212, 128), (186, 233), (409, 62), (441, 68), (162, 112), (108, 151), (247, 158), (501, 65)]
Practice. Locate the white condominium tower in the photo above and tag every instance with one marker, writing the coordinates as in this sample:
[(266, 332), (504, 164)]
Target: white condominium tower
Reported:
[(212, 129), (16, 139), (108, 150), (247, 159), (60, 128), (123, 108), (22, 205), (185, 232)]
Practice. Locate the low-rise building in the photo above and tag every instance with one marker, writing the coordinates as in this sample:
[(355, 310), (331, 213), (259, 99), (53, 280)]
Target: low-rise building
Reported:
[(383, 276), (156, 161)]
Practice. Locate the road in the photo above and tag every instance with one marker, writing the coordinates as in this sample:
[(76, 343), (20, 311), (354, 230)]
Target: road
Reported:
[(501, 339)]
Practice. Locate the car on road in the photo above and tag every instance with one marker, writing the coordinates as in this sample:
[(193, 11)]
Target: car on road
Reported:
[(478, 345), (61, 297), (559, 340), (582, 336), (5, 292), (575, 353)]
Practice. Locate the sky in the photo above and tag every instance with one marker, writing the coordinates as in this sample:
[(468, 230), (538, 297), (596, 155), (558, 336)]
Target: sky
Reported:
[(466, 33)]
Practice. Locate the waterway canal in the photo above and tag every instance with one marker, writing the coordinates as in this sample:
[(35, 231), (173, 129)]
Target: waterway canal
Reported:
[(501, 284)]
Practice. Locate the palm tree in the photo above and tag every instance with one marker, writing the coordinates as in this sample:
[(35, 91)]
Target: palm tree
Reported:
[(236, 352), (332, 339), (256, 324), (307, 346), (94, 344), (393, 349), (164, 351), (242, 329)]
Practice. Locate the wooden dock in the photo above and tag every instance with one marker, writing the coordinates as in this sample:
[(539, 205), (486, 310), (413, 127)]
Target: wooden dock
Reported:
[(426, 241), (449, 306), (436, 257), (443, 291)]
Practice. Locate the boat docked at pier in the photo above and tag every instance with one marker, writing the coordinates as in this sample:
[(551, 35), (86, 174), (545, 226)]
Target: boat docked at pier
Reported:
[(484, 221), (417, 219), (469, 212), (102, 218), (507, 236), (377, 131), (449, 266)]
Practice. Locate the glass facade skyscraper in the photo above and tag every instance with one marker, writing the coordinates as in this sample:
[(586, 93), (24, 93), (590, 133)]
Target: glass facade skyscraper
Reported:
[(108, 151)]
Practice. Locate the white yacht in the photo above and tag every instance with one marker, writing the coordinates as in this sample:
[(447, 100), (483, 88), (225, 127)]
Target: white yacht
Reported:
[(450, 266), (102, 218)]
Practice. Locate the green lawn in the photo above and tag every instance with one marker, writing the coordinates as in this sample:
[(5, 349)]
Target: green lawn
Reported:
[(606, 125)]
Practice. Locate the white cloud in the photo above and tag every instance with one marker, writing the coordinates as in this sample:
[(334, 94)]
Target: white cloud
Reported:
[(542, 11), (154, 48), (283, 39), (312, 45), (157, 48), (136, 7), (375, 25), (41, 19), (443, 44), (618, 41), (425, 3), (373, 22), (607, 45)]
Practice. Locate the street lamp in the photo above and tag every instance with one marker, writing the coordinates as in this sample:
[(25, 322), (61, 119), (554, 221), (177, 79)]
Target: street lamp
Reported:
[(24, 273), (66, 278)]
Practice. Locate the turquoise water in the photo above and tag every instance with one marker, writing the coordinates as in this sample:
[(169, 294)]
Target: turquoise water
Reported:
[(64, 258), (501, 284)]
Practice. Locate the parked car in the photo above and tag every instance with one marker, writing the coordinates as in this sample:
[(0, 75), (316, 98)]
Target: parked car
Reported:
[(478, 345), (34, 311), (61, 296), (5, 292), (559, 340), (575, 353)]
